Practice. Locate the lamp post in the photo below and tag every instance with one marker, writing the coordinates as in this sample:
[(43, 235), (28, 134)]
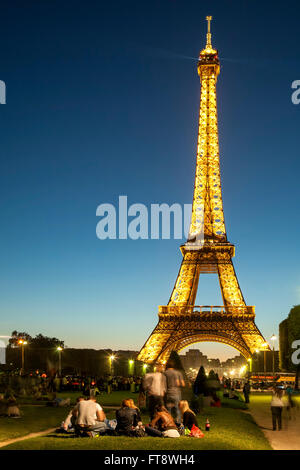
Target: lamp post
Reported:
[(273, 339), (22, 343), (111, 359), (130, 367), (264, 345), (59, 350)]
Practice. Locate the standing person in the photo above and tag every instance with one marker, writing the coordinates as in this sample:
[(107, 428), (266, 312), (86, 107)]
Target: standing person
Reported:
[(57, 383), (290, 406), (276, 407), (173, 395), (155, 385), (132, 385), (64, 383), (246, 391)]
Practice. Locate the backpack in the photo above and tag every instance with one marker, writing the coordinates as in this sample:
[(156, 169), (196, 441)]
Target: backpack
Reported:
[(196, 432)]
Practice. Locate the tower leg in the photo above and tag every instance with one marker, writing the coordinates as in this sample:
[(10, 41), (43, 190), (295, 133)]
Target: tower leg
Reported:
[(231, 292), (185, 289)]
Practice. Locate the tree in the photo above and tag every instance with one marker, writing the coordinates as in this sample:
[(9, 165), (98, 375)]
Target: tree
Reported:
[(16, 336), (175, 360), (40, 352), (38, 342), (293, 335), (212, 383), (45, 342), (289, 331), (283, 345)]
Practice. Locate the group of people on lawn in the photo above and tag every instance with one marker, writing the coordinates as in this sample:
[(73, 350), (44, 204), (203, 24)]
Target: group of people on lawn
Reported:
[(169, 415)]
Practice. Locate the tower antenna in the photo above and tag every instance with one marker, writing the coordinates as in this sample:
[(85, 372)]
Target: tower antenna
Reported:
[(208, 35)]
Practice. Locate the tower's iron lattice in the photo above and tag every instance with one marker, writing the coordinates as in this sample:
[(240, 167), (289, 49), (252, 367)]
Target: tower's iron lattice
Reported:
[(207, 250)]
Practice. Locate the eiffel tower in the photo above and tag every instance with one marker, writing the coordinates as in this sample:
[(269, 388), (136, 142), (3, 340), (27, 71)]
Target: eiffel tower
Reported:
[(207, 250)]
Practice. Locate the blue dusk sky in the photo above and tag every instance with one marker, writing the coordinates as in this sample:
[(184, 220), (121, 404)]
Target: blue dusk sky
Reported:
[(102, 101)]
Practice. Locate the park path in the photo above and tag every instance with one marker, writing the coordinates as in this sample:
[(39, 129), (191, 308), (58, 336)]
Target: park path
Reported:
[(286, 439), (27, 436)]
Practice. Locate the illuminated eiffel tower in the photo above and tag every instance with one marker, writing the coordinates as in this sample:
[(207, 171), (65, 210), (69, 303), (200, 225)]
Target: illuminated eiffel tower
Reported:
[(207, 250)]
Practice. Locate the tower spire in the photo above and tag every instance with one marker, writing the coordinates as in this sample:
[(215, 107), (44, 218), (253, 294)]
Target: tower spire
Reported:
[(208, 35)]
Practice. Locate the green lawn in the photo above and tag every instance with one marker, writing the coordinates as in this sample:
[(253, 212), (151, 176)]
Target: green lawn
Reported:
[(112, 399), (231, 429), (34, 419), (36, 416)]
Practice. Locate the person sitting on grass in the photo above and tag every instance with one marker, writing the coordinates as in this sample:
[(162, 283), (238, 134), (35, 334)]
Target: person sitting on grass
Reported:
[(233, 395), (13, 410), (90, 418), (132, 405), (163, 424), (188, 416), (70, 420), (129, 421), (55, 401)]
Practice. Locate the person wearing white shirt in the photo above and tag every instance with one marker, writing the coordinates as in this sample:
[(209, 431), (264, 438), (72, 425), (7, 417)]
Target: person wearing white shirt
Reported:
[(90, 417), (276, 407), (155, 385)]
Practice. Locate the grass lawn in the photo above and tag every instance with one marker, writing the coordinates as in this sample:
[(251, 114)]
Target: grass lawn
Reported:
[(112, 399), (231, 429), (34, 419), (36, 416)]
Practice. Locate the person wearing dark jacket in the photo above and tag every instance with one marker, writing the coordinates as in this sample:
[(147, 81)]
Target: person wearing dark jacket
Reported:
[(128, 419), (188, 416), (246, 391)]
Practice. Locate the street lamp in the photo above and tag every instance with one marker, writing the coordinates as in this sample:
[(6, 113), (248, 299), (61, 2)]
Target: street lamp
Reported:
[(273, 339), (59, 350), (23, 343), (111, 359), (130, 366), (265, 345)]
